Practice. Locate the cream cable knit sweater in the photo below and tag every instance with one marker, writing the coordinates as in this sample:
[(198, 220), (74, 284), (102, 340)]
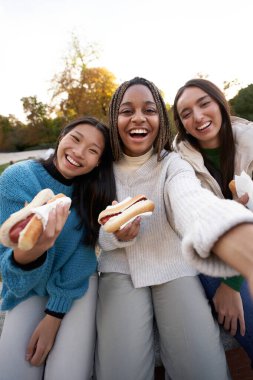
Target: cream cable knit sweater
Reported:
[(157, 254)]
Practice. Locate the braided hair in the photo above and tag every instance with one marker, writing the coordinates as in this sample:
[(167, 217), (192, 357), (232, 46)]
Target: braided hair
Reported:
[(164, 137)]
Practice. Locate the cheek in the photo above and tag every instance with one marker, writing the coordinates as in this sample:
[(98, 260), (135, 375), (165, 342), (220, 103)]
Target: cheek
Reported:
[(120, 132), (186, 124)]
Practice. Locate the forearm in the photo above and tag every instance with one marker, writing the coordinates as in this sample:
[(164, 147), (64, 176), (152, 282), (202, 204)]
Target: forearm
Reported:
[(236, 249)]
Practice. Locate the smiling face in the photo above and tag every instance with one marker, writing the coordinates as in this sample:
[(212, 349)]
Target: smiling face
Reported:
[(79, 151), (138, 120), (201, 116)]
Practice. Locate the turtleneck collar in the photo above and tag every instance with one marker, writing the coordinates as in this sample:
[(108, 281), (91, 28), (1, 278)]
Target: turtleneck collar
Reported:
[(54, 172), (130, 163)]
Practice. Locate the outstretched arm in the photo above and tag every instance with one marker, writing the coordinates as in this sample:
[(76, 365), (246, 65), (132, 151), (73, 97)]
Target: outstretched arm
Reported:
[(235, 248)]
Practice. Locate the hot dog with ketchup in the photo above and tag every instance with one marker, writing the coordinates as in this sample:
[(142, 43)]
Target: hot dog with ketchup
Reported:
[(24, 227), (117, 216)]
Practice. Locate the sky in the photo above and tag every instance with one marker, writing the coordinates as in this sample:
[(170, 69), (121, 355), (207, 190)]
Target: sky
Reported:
[(165, 41)]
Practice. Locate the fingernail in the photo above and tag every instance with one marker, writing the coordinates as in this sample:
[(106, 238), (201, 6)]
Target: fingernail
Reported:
[(27, 356)]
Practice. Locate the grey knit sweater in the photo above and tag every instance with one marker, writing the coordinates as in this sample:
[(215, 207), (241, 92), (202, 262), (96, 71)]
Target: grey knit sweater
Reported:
[(182, 208)]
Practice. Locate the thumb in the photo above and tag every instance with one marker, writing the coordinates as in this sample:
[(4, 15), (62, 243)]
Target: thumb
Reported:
[(114, 202), (244, 199)]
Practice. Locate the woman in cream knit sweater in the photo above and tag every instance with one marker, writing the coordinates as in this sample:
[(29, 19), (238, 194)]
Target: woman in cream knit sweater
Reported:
[(146, 270)]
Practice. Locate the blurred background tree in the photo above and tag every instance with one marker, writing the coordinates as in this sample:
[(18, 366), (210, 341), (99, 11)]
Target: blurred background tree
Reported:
[(80, 90), (242, 103)]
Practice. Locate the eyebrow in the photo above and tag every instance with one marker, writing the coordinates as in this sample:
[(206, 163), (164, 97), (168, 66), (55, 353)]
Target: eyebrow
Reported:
[(130, 103)]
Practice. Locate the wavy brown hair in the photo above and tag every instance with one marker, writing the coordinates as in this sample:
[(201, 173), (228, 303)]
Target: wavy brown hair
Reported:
[(227, 145)]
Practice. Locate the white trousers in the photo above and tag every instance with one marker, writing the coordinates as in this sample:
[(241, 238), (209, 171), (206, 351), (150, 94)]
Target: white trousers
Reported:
[(72, 355), (191, 348)]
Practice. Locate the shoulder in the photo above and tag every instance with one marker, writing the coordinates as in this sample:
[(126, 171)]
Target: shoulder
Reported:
[(20, 177), (243, 132), (175, 163)]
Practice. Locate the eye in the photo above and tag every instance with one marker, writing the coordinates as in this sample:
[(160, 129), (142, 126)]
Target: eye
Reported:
[(151, 111), (126, 111), (205, 103), (75, 138), (94, 151), (185, 115)]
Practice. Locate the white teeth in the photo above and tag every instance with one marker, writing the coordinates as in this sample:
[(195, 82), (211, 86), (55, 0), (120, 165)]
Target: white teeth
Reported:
[(139, 131), (204, 126), (72, 161)]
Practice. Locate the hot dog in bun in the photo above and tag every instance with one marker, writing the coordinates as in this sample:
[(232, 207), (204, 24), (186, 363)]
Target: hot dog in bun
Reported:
[(117, 216), (232, 187), (24, 227)]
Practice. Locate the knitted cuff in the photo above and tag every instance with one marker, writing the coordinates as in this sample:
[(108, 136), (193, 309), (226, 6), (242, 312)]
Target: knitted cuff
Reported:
[(59, 304)]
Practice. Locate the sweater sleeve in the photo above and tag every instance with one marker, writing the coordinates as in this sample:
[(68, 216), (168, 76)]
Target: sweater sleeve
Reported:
[(234, 282), (109, 242), (14, 193), (201, 218), (17, 280), (71, 281)]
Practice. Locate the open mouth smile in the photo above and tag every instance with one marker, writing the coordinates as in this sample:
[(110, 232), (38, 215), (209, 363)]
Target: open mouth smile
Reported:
[(204, 126), (72, 161), (138, 133)]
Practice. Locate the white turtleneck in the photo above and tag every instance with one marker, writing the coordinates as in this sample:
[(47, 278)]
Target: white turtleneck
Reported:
[(129, 164)]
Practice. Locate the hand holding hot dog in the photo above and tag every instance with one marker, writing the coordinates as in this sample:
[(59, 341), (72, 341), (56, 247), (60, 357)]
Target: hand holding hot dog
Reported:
[(119, 215), (56, 220), (34, 228), (130, 231), (242, 189)]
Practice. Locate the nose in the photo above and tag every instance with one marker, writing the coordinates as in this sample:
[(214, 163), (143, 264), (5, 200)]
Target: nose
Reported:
[(79, 151), (138, 117), (198, 114)]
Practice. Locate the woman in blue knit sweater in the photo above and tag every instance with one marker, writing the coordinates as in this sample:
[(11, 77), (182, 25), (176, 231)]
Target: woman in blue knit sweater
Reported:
[(57, 277)]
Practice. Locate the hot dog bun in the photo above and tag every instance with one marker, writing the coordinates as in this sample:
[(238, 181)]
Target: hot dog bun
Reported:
[(114, 217), (232, 187), (16, 232)]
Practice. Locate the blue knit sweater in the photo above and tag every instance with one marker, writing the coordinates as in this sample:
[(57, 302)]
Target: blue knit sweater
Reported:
[(64, 275)]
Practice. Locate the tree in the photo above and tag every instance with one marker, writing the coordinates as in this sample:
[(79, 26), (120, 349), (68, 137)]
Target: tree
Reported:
[(10, 133), (80, 90), (242, 103), (92, 96), (40, 130), (35, 110)]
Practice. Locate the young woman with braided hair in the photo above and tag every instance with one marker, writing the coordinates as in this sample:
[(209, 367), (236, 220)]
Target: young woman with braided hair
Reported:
[(143, 271)]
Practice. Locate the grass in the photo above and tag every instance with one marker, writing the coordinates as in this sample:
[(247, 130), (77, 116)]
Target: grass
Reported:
[(2, 167)]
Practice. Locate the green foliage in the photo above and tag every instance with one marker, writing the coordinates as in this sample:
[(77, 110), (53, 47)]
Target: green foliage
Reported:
[(35, 110), (2, 167), (80, 90), (10, 133), (242, 103)]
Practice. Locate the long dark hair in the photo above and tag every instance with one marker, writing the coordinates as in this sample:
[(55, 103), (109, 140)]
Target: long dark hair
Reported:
[(95, 190), (227, 145), (164, 137)]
